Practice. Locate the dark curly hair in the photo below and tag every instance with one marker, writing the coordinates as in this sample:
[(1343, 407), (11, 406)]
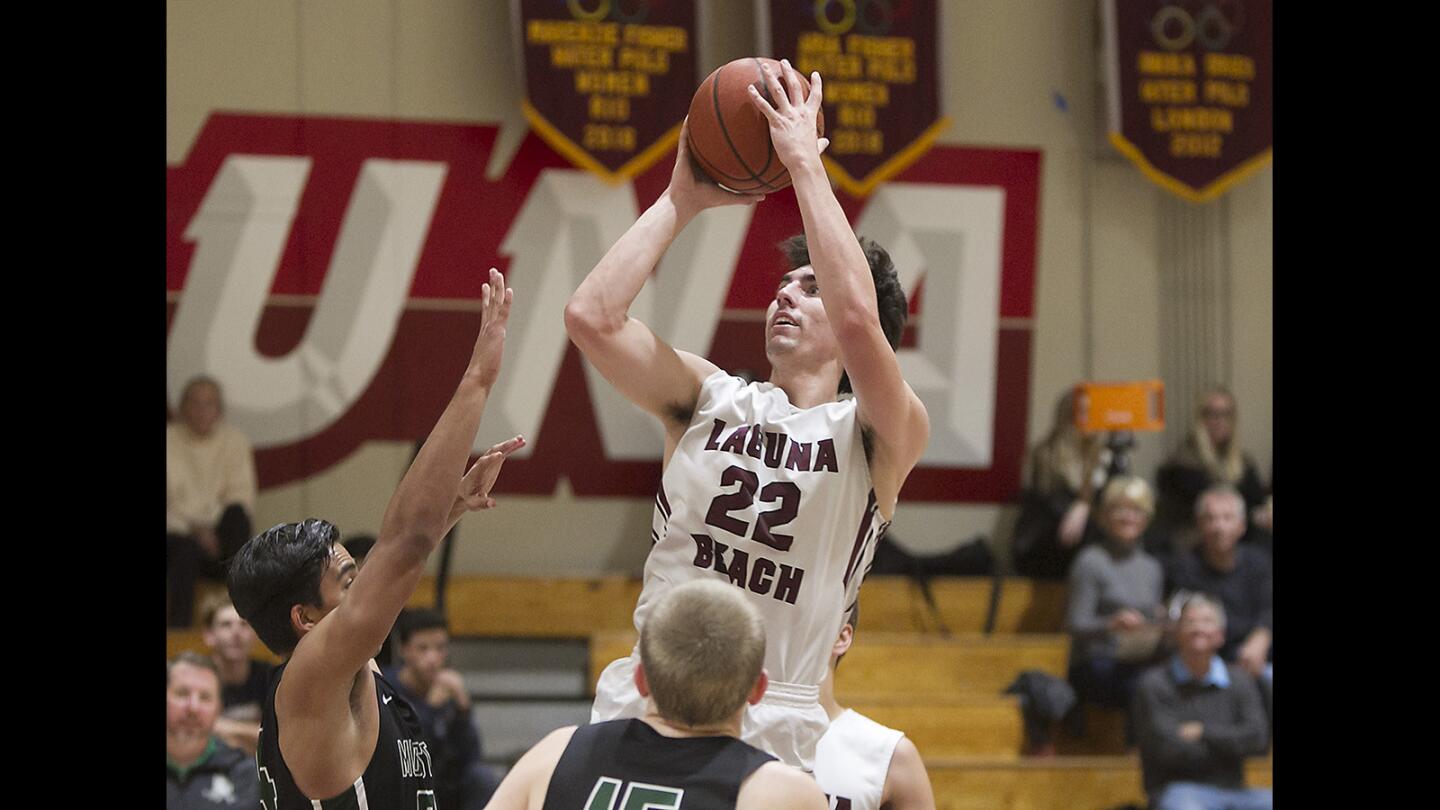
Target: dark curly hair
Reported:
[(889, 295)]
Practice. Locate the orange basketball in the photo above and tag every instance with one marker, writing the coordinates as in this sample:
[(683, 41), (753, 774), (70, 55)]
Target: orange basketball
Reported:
[(729, 137)]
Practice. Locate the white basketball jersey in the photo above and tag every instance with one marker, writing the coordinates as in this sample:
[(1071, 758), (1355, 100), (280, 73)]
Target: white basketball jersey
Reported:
[(777, 501), (853, 759)]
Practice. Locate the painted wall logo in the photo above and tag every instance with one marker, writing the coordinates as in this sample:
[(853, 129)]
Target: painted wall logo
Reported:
[(327, 271)]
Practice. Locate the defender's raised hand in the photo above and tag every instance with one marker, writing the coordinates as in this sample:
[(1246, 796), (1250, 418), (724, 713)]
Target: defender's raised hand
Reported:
[(495, 300), (475, 486), (792, 118)]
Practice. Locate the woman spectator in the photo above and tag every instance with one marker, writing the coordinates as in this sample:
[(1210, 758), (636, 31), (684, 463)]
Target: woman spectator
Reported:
[(1115, 608), (1210, 455), (1065, 470)]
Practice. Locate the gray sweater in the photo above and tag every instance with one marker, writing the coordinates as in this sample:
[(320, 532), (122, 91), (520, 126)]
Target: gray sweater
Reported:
[(1235, 728), (1102, 581)]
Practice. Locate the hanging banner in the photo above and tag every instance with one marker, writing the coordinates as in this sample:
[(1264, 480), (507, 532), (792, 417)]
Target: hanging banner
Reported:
[(879, 62), (607, 82), (1190, 90)]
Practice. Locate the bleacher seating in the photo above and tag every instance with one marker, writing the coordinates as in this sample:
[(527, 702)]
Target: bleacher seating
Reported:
[(550, 607), (178, 641), (932, 672), (890, 667), (1056, 783)]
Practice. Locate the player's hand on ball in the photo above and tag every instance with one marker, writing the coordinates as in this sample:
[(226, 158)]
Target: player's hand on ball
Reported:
[(792, 118), (691, 191)]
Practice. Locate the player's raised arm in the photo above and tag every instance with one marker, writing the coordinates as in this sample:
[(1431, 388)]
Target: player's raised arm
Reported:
[(647, 370), (888, 407), (417, 517)]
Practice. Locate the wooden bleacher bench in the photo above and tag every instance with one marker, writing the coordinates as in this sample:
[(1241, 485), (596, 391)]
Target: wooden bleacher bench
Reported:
[(178, 641), (884, 666), (908, 667), (556, 607), (897, 604), (1058, 783), (533, 607), (988, 726)]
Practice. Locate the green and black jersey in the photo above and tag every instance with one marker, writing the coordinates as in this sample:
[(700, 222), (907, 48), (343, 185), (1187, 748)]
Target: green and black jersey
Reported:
[(399, 775), (627, 765)]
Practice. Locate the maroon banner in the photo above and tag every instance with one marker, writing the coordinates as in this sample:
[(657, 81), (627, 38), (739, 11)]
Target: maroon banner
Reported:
[(878, 61), (607, 82), (327, 272), (1190, 90)]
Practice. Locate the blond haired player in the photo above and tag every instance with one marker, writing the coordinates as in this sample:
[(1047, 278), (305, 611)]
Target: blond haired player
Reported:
[(782, 487), (701, 663)]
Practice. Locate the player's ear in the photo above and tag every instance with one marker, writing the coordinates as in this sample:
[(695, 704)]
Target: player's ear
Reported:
[(843, 641), (641, 685), (758, 691), (300, 620)]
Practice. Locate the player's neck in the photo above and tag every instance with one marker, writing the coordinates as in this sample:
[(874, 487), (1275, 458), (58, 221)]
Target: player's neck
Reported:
[(827, 697), (671, 729), (807, 388)]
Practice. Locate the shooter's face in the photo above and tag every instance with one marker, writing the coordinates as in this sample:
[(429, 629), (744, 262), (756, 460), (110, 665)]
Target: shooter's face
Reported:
[(796, 323)]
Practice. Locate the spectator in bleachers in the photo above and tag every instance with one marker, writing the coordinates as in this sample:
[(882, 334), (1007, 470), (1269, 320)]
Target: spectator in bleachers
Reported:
[(860, 763), (209, 494), (1210, 455), (1198, 719), (243, 679), (201, 771), (1238, 575), (1115, 608), (442, 706), (1064, 471)]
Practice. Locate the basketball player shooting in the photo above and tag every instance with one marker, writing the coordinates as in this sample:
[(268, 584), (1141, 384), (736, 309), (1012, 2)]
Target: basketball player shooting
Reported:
[(780, 487), (334, 733)]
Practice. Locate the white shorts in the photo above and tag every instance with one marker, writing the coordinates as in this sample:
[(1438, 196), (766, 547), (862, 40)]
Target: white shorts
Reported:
[(787, 722)]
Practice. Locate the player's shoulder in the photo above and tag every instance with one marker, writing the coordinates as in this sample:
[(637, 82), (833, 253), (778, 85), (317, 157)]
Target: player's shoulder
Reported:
[(906, 755), (778, 785), (556, 740), (863, 723)]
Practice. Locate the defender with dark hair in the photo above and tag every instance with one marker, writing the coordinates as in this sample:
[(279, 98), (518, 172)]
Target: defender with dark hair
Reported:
[(334, 733), (780, 488)]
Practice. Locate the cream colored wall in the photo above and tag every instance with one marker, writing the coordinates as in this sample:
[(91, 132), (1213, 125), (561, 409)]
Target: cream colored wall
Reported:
[(1003, 64)]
